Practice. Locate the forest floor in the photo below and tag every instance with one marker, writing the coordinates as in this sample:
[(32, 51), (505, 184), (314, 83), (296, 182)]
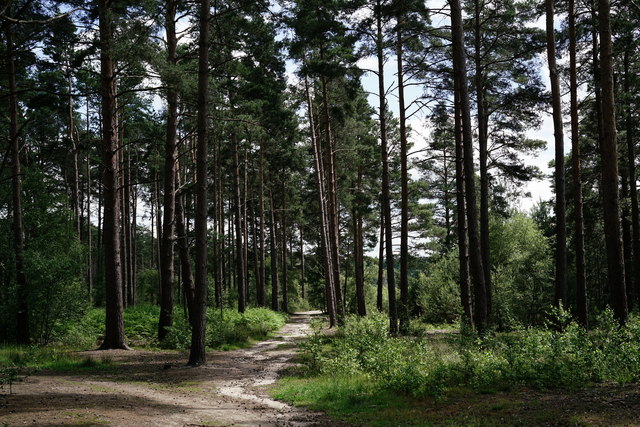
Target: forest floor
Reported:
[(156, 388)]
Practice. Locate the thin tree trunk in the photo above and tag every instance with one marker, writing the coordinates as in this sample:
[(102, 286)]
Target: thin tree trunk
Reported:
[(114, 337), (245, 233), (256, 260), (483, 156), (332, 198), (634, 283), (74, 151), (183, 253), (285, 276), (330, 296), (121, 186), (169, 203), (386, 200), (89, 232), (460, 82), (273, 254), (260, 285), (560, 207), (198, 354), (403, 311), (22, 315), (609, 154), (463, 243), (379, 302), (240, 268), (302, 268), (358, 251), (581, 276)]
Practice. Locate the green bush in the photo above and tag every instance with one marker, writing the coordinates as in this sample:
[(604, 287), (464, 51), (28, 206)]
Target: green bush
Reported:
[(558, 354)]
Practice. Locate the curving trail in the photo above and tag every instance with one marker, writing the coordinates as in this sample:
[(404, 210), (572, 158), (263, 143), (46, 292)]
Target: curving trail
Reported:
[(151, 388)]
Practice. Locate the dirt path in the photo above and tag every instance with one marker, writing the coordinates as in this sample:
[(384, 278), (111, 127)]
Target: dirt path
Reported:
[(151, 388)]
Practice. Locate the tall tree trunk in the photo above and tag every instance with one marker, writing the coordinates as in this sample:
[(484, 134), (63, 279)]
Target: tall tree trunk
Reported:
[(245, 231), (114, 322), (22, 315), (273, 253), (260, 285), (330, 295), (609, 154), (89, 233), (183, 253), (74, 152), (285, 275), (581, 275), (403, 311), (461, 87), (240, 260), (123, 216), (198, 354), (332, 196), (255, 238), (463, 243), (89, 225), (483, 156), (635, 212), (169, 203), (302, 267), (560, 207), (358, 250), (379, 294), (386, 199)]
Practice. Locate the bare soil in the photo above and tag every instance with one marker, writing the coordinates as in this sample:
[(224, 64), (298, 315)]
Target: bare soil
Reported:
[(156, 388)]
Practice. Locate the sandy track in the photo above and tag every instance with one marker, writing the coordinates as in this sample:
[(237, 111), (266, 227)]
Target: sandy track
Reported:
[(151, 388)]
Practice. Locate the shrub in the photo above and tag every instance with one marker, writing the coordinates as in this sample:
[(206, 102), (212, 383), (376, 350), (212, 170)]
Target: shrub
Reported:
[(558, 354)]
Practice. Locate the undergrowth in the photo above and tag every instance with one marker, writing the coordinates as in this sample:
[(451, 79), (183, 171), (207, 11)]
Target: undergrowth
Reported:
[(558, 355)]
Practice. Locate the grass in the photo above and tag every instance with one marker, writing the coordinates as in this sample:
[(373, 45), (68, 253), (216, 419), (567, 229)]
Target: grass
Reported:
[(360, 401), (51, 358)]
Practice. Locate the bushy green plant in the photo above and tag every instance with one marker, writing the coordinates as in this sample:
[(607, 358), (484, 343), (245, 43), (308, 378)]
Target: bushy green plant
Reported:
[(437, 290), (557, 354)]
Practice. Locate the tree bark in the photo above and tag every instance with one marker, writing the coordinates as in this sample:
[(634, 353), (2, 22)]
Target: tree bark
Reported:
[(609, 155), (240, 259), (114, 337), (285, 275), (560, 207), (386, 200), (330, 296), (463, 243), (169, 203), (260, 288), (332, 197), (461, 87), (403, 311), (273, 254), (483, 156), (635, 211), (198, 354), (581, 276), (183, 253), (379, 295), (358, 250), (22, 315)]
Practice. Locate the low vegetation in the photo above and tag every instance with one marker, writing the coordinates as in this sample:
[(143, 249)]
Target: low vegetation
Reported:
[(226, 329), (362, 370)]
